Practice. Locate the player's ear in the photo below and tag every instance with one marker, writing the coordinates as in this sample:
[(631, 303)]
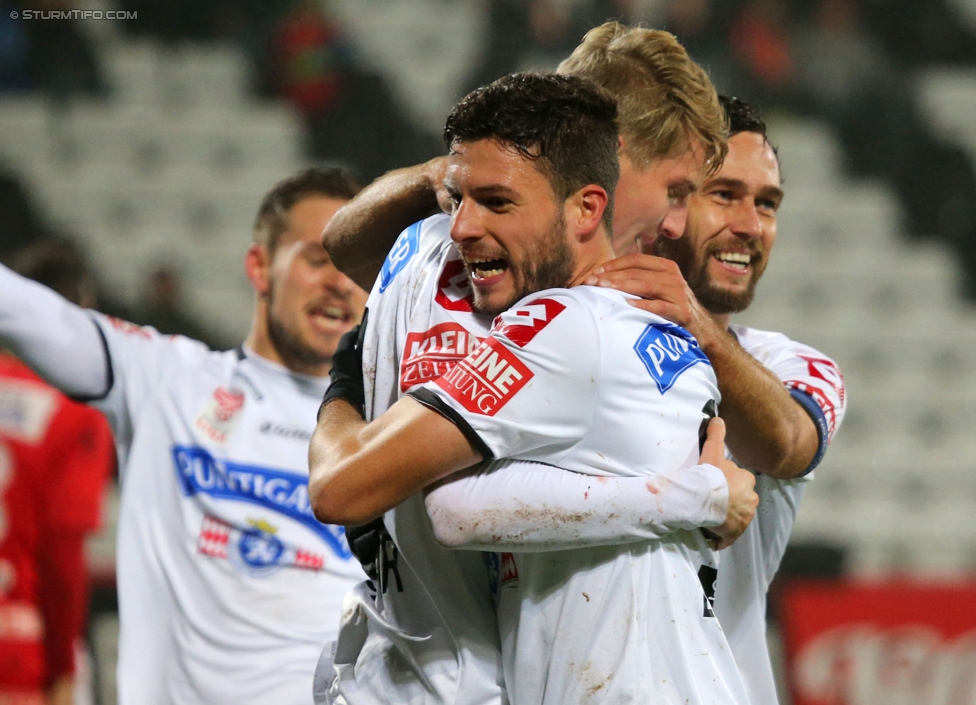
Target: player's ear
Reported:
[(588, 205), (257, 267)]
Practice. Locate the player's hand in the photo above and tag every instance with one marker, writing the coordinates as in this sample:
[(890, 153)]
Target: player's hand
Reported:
[(347, 370), (743, 499), (662, 288)]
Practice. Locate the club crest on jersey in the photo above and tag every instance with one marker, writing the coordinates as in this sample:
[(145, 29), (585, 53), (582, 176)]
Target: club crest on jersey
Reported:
[(129, 328), (667, 351), (825, 370), (404, 248), (485, 380), (254, 549), (198, 472), (522, 324), (502, 571), (454, 288), (219, 415), (431, 354)]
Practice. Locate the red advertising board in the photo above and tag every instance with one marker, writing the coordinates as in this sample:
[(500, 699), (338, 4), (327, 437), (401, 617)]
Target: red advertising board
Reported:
[(892, 643)]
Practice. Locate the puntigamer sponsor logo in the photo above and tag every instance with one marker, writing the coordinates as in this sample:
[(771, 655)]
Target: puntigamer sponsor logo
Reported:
[(434, 352), (667, 351), (286, 493), (484, 381)]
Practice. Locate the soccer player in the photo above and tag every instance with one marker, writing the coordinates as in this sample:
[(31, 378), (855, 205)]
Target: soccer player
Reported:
[(563, 378), (227, 584), (782, 401), (56, 457)]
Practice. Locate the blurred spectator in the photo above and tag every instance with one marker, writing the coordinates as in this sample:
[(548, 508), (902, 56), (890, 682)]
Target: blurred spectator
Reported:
[(164, 308), (819, 58), (918, 33), (61, 59), (20, 222), (55, 459), (351, 113), (525, 35), (14, 71)]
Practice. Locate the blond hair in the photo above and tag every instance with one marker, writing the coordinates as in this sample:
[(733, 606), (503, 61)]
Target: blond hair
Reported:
[(665, 101)]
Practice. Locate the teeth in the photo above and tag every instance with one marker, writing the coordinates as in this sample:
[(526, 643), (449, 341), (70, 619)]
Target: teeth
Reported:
[(479, 268), (734, 258), (485, 273), (332, 312)]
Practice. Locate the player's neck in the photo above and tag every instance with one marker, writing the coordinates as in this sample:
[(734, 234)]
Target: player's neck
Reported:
[(723, 320), (598, 252)]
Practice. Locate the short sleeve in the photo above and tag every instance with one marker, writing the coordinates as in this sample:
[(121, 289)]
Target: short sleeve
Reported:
[(813, 380)]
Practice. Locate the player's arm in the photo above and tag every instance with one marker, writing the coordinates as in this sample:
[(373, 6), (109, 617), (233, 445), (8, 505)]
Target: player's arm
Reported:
[(58, 339), (768, 431), (522, 506), (359, 470), (361, 233)]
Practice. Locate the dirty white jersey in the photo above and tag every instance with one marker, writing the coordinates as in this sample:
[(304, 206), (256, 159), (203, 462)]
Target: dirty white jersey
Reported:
[(747, 568), (580, 379), (433, 637), (228, 585)]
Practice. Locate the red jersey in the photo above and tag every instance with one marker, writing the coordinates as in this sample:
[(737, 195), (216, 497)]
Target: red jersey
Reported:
[(55, 458)]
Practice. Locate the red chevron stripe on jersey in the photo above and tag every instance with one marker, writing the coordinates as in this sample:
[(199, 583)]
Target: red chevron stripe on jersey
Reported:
[(454, 287), (522, 324)]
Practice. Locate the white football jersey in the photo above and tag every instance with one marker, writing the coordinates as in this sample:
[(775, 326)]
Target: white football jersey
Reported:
[(436, 639), (580, 379), (748, 567), (228, 585)]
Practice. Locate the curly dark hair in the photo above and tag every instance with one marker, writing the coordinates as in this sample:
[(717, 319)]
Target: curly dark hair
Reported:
[(565, 124)]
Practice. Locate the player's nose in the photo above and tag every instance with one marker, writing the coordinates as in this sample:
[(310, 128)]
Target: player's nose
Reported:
[(466, 223), (745, 220)]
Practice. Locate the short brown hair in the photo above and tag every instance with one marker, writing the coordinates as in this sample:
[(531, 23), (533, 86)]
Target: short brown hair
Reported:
[(665, 101), (327, 182)]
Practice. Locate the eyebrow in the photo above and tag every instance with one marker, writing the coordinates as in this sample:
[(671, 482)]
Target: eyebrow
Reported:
[(683, 186), (773, 192)]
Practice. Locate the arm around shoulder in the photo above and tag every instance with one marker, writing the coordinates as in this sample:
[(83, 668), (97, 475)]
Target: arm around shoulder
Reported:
[(361, 233)]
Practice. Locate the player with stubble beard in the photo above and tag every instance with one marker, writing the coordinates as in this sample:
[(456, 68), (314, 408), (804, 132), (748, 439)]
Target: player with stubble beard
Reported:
[(227, 583)]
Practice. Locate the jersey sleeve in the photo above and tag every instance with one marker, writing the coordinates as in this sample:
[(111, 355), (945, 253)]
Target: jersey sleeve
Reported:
[(522, 507), (56, 338), (529, 389), (813, 379), (141, 360)]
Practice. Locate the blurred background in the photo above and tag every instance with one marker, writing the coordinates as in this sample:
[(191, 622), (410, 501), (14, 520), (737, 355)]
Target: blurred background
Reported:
[(148, 140)]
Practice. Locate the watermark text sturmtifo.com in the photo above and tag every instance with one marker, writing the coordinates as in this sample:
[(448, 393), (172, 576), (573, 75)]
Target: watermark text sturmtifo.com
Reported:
[(74, 15)]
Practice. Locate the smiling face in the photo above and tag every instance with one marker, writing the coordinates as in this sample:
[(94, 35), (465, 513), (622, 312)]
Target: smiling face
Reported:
[(731, 227), (653, 202), (305, 304), (507, 224)]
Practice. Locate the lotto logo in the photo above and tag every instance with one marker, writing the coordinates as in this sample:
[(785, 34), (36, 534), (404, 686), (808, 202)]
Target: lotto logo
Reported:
[(522, 324), (484, 381), (667, 351), (454, 288), (431, 354)]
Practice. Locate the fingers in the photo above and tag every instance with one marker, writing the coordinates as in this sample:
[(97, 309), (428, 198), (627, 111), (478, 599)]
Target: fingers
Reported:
[(636, 260), (713, 451)]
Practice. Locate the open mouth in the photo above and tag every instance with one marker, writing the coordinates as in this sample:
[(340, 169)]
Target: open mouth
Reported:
[(486, 268), (331, 313), (738, 261)]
